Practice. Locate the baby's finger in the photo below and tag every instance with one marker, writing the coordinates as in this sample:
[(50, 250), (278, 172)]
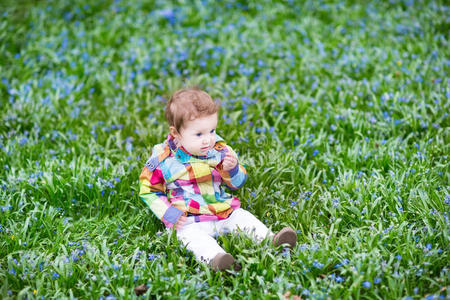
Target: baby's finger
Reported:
[(233, 161), (230, 158), (229, 154), (179, 225), (180, 222), (228, 164)]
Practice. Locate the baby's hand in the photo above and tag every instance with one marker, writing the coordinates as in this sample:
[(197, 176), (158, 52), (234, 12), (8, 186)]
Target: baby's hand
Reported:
[(229, 162), (180, 223)]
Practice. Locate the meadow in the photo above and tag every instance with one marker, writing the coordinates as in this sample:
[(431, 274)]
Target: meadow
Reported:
[(338, 109)]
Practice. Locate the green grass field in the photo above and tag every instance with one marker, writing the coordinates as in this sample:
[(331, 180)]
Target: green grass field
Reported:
[(339, 110)]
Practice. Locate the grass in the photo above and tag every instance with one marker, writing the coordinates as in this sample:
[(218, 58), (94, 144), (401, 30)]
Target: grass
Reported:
[(339, 110)]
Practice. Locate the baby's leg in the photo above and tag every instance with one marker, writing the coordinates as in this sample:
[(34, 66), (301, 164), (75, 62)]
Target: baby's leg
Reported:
[(198, 238), (245, 221)]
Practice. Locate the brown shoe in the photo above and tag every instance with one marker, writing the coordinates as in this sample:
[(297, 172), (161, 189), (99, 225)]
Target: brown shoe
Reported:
[(222, 261), (286, 236)]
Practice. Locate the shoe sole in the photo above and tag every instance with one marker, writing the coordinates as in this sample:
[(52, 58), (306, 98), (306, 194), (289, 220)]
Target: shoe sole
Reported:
[(286, 236), (224, 263)]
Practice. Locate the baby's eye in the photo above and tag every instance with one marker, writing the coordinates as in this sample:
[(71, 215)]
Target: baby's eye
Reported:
[(198, 134), (212, 131)]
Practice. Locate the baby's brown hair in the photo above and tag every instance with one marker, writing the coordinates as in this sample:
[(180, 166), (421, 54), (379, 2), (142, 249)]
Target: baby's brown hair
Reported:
[(187, 105)]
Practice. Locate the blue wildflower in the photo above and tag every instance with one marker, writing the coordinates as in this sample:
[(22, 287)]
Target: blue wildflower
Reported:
[(317, 264), (23, 141)]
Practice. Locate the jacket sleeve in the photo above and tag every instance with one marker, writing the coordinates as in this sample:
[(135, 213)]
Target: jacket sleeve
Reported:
[(234, 178), (152, 191)]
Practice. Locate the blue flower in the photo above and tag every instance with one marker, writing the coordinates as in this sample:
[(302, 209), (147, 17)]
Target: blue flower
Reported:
[(23, 141), (286, 252), (315, 152), (317, 264), (169, 15), (129, 147), (366, 284)]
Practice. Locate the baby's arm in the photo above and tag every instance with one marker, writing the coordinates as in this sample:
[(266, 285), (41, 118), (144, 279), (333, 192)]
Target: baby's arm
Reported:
[(233, 174), (152, 192)]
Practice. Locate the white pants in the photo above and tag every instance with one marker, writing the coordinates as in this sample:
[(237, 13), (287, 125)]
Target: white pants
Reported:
[(199, 237)]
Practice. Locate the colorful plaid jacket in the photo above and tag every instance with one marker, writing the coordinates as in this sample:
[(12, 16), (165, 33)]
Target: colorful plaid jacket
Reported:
[(174, 182)]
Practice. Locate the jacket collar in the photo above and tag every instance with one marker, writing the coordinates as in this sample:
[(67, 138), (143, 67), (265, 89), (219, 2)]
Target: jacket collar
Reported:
[(180, 152)]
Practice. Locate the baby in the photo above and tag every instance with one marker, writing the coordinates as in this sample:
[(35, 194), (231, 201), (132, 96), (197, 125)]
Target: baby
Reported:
[(183, 182)]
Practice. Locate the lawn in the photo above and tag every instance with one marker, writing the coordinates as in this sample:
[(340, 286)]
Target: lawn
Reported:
[(338, 109)]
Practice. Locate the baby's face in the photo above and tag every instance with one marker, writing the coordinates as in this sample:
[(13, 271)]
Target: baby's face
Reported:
[(199, 135)]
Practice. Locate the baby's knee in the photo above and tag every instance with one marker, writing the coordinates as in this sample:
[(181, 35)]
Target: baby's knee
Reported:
[(240, 212)]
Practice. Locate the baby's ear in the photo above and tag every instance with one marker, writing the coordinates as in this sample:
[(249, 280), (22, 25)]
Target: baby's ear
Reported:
[(173, 131)]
